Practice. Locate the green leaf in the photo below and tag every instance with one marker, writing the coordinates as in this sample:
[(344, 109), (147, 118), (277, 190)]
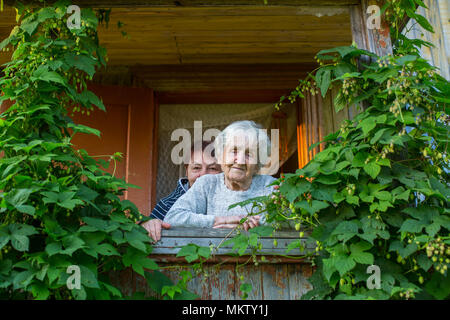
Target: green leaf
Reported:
[(324, 192), (323, 79), (29, 26), (352, 199), (53, 248), (367, 125), (358, 254), (137, 239), (189, 252), (433, 229), (263, 231), (91, 98), (360, 158), (113, 290), (344, 264), (412, 225), (20, 242), (49, 76), (84, 129), (88, 277), (204, 252), (138, 260), (26, 209), (312, 207), (45, 14), (40, 291), (403, 251), (71, 244), (4, 239), (372, 169), (424, 262), (329, 267), (383, 195), (438, 286), (100, 224), (107, 250), (18, 197), (81, 62), (423, 22)]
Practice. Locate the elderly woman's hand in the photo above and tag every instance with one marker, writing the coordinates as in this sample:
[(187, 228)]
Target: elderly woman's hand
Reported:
[(230, 222), (252, 222)]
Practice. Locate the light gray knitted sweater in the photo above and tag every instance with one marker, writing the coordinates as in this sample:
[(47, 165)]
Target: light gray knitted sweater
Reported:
[(209, 197)]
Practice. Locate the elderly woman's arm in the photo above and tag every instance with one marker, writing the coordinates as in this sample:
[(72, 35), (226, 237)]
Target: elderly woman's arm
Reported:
[(190, 209)]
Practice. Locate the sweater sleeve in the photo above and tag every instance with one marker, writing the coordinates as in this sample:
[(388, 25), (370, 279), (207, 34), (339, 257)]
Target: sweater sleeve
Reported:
[(190, 209)]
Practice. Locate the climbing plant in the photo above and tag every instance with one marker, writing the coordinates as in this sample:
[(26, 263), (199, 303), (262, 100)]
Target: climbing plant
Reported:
[(59, 208), (378, 194)]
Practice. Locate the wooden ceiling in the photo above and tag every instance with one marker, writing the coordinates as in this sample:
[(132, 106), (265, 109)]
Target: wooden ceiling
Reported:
[(165, 34)]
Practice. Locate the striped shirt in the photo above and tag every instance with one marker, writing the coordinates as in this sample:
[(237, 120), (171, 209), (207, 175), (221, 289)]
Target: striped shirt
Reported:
[(163, 206)]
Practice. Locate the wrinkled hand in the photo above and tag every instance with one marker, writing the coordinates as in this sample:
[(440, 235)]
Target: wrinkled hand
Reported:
[(154, 227), (230, 222), (252, 222)]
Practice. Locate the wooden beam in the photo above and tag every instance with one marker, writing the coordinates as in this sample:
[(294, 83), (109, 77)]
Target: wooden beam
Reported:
[(374, 40), (222, 96), (208, 77), (197, 3)]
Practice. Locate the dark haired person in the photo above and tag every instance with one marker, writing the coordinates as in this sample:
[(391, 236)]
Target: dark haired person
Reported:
[(200, 163)]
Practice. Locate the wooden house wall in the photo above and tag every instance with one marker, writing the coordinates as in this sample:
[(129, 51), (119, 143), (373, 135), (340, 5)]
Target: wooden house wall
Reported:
[(129, 126), (317, 118), (439, 18)]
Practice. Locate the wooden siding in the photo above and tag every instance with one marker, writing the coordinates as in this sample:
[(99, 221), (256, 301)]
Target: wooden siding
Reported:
[(275, 278), (439, 18), (317, 118), (127, 127), (374, 40)]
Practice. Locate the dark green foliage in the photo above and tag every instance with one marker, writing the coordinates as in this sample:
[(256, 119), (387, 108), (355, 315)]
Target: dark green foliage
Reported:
[(379, 193), (58, 207)]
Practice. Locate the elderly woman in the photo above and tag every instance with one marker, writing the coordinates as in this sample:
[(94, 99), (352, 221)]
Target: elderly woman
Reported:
[(206, 203)]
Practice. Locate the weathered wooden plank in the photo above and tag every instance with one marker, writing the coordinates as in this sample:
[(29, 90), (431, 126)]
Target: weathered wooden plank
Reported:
[(298, 283), (251, 274), (222, 96), (196, 285), (218, 233), (222, 281), (173, 245), (196, 3), (124, 280), (231, 259), (374, 40), (277, 35), (240, 23), (275, 282)]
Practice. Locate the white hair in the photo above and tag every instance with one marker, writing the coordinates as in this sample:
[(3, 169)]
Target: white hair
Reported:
[(251, 129)]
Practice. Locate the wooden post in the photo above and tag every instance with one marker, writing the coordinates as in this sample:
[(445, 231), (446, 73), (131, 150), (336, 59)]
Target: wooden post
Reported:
[(376, 40)]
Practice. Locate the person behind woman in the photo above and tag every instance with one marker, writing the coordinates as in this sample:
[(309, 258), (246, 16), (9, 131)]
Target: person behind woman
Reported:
[(206, 203), (200, 163)]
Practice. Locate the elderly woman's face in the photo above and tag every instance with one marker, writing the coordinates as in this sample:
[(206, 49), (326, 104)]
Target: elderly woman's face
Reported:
[(240, 159)]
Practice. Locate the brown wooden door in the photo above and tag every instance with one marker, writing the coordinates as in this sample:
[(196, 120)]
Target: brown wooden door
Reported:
[(129, 127)]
